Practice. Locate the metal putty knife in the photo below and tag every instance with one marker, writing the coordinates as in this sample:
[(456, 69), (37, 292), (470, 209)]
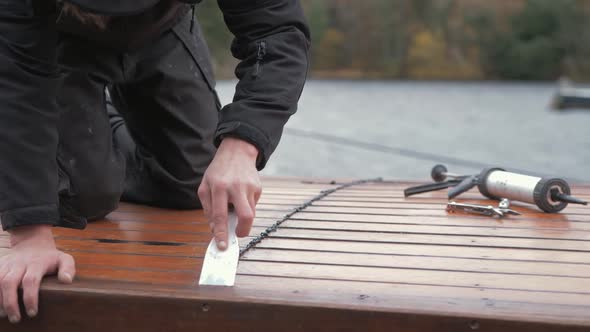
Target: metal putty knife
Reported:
[(220, 267)]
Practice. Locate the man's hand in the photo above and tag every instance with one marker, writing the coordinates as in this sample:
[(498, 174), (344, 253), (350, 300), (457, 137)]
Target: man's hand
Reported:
[(32, 256), (232, 178)]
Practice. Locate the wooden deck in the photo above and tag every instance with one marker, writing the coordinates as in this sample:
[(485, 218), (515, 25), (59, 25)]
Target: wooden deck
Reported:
[(363, 258)]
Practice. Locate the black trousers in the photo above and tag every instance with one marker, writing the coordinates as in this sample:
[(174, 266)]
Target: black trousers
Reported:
[(136, 125)]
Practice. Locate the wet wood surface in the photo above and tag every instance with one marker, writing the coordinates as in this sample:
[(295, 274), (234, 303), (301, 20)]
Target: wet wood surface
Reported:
[(363, 258)]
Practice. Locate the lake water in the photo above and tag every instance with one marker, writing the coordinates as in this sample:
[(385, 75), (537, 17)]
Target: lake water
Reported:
[(499, 124)]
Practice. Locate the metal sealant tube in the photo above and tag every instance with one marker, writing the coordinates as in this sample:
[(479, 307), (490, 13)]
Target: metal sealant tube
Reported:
[(496, 183), (514, 186)]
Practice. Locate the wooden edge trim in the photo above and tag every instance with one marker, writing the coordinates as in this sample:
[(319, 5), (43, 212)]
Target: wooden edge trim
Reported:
[(94, 308)]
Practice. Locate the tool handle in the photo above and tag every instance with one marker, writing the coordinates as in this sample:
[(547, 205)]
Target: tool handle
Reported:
[(439, 173), (428, 188), (465, 185)]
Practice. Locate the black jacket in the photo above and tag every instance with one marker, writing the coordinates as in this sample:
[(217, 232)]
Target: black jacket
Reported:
[(271, 39)]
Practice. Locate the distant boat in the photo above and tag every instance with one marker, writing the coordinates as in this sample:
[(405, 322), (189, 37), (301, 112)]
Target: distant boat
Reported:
[(569, 96)]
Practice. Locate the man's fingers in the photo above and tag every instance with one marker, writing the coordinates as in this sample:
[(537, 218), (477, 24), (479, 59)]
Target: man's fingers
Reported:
[(252, 203), (218, 214), (245, 215), (9, 285), (257, 194), (204, 193), (66, 268), (2, 312), (31, 282)]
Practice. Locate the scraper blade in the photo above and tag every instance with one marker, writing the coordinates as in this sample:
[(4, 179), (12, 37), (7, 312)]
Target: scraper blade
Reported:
[(220, 267)]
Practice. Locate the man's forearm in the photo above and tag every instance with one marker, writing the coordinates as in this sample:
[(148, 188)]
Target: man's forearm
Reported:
[(272, 41)]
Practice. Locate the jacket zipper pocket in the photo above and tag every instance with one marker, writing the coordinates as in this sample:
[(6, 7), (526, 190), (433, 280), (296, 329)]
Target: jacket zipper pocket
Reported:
[(260, 54)]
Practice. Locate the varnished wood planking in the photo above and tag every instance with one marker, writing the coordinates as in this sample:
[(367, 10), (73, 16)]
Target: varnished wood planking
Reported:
[(456, 240), (158, 216), (559, 234), (162, 226), (382, 296), (296, 307), (429, 212), (451, 219), (435, 204), (146, 277), (395, 193), (420, 262), (163, 263), (116, 247), (529, 211), (418, 277), (455, 221), (133, 230), (444, 251), (331, 251), (426, 250), (135, 236)]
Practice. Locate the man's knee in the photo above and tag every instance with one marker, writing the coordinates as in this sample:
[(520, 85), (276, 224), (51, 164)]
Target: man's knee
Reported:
[(164, 193), (93, 206), (92, 199)]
